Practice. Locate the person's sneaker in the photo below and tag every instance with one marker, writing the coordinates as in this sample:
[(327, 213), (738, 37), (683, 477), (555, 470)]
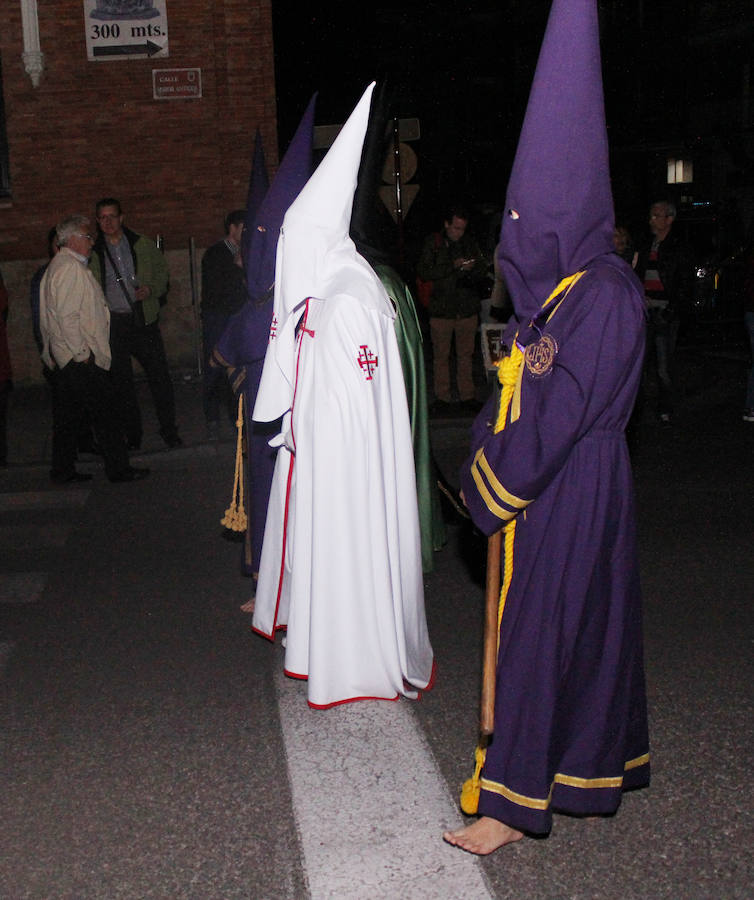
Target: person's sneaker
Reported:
[(748, 415), (665, 418)]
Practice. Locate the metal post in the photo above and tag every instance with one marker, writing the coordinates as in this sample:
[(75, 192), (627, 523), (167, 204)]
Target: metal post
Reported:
[(195, 307)]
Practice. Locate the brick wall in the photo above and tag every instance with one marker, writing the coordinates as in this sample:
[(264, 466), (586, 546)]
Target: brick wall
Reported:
[(92, 129)]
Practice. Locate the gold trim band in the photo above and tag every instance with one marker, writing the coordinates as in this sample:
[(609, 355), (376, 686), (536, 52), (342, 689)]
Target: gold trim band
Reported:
[(616, 781)]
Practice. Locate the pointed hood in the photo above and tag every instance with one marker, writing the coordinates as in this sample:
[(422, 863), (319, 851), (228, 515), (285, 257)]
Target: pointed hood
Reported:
[(559, 186), (258, 184), (261, 236), (370, 219), (317, 258)]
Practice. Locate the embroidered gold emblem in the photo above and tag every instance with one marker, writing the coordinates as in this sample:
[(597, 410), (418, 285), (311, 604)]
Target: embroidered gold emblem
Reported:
[(540, 355)]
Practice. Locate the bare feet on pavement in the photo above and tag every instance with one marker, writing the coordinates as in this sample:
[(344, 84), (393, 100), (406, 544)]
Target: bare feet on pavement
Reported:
[(483, 836), (249, 605)]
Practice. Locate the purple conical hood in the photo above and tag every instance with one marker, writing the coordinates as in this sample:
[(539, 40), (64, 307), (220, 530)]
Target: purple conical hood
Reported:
[(560, 183), (258, 185), (292, 174)]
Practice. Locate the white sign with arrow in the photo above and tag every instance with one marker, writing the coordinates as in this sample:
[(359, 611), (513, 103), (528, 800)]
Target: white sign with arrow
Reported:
[(125, 29)]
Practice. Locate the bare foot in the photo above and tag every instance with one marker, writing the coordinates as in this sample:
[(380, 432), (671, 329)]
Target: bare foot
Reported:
[(483, 836), (249, 605)]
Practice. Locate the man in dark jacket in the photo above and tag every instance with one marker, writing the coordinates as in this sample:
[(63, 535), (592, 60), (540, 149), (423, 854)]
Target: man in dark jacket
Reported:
[(223, 295), (664, 267), (134, 276), (454, 264)]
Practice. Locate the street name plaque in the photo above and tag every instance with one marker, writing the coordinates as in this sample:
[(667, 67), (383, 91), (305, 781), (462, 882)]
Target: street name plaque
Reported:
[(176, 84)]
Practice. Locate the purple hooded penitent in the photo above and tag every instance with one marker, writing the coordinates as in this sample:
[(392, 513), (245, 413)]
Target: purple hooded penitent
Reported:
[(550, 464), (258, 184), (244, 342), (560, 182), (292, 174)]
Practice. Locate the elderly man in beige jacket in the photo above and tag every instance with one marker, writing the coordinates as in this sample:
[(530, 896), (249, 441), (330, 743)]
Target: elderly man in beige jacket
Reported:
[(75, 325)]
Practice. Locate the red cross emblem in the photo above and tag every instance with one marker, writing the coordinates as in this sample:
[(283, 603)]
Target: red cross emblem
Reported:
[(273, 328), (367, 360)]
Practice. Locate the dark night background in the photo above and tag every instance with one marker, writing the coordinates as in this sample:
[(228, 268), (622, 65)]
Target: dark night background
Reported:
[(677, 78)]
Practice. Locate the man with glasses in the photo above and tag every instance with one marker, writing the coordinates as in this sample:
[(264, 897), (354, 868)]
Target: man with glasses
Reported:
[(134, 276), (74, 323), (664, 267)]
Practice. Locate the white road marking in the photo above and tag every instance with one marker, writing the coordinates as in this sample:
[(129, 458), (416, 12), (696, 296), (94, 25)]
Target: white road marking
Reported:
[(370, 802), (11, 502), (21, 587)]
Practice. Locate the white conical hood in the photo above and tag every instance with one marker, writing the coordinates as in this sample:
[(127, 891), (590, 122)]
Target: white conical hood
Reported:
[(317, 258)]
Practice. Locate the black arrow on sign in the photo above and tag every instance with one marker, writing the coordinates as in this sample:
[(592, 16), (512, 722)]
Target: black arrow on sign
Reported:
[(148, 49)]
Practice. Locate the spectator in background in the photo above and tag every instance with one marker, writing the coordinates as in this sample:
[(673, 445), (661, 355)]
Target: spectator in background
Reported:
[(74, 325), (223, 295), (624, 245), (6, 375), (664, 266), (85, 442), (454, 264), (134, 277), (52, 249)]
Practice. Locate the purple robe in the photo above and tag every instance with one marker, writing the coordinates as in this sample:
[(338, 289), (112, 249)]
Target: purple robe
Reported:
[(570, 727), (570, 710)]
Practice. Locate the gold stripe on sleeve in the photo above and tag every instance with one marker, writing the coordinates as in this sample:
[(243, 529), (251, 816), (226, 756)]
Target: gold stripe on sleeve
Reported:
[(635, 763), (481, 460), (492, 505)]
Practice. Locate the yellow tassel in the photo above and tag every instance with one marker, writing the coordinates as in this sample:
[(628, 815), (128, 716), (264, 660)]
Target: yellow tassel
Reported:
[(471, 789), (235, 515)]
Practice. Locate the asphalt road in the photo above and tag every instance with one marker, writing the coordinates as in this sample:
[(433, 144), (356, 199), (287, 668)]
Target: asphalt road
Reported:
[(150, 746)]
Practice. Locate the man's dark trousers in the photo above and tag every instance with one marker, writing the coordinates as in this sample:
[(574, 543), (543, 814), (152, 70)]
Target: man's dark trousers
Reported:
[(145, 344), (83, 388)]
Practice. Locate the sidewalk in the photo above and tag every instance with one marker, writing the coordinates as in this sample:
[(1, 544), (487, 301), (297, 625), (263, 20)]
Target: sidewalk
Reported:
[(30, 426), (712, 379)]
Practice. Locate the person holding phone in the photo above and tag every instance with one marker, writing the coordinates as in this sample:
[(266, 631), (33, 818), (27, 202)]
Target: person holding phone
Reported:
[(454, 264)]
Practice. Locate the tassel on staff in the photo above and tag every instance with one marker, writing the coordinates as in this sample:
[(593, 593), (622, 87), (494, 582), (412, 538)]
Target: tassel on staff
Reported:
[(235, 515), (471, 788)]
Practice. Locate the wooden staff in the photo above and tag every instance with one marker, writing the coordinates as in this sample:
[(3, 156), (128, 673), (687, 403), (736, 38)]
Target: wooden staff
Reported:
[(489, 656)]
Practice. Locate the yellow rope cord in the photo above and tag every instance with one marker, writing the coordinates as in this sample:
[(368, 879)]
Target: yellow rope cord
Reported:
[(509, 374), (235, 515)]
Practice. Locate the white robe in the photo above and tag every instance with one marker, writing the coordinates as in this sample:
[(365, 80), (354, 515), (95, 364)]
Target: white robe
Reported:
[(341, 561)]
